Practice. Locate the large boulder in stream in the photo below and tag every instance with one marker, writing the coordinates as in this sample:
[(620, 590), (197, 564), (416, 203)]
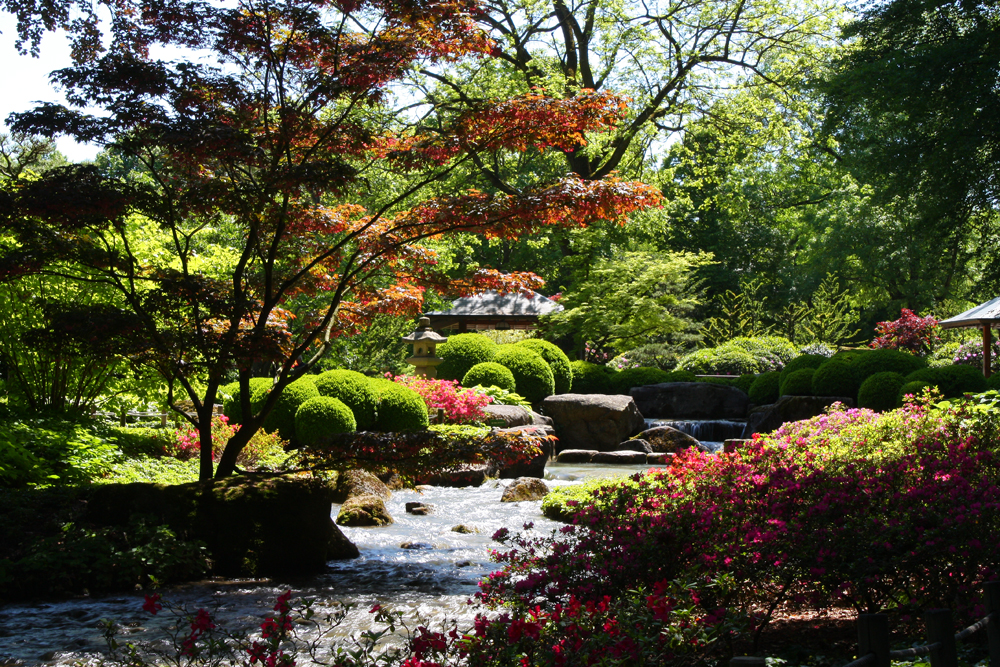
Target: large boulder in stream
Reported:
[(253, 525), (507, 416), (690, 400), (592, 421), (767, 418), (524, 488), (666, 439), (354, 483), (364, 511)]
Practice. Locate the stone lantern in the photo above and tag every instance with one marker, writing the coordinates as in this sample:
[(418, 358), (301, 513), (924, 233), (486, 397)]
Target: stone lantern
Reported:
[(424, 341)]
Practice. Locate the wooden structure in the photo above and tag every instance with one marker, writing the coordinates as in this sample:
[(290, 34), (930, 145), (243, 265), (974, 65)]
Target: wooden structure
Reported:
[(492, 310), (984, 316)]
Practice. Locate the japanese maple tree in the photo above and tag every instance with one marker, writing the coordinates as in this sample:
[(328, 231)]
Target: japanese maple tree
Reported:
[(272, 154)]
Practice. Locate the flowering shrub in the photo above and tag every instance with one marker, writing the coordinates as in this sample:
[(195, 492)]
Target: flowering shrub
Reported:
[(461, 406), (263, 449), (915, 334), (622, 362), (822, 349), (970, 353)]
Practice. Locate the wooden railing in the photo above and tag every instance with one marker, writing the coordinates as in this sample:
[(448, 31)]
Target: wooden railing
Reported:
[(942, 640)]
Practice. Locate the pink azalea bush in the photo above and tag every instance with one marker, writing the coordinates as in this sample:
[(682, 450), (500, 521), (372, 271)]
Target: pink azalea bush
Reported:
[(183, 443), (461, 406)]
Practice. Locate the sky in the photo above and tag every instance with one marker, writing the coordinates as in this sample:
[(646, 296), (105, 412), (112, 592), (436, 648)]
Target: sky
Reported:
[(25, 81)]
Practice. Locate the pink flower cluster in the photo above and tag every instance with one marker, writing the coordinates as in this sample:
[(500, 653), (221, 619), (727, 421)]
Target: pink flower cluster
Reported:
[(185, 442), (461, 406)]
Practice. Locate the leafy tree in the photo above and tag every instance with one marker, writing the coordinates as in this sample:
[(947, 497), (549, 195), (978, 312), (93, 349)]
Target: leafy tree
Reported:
[(279, 154), (637, 299)]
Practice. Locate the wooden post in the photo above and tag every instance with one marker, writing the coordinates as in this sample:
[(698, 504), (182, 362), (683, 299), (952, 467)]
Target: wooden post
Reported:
[(163, 419), (873, 637), (993, 627), (940, 630), (987, 349)]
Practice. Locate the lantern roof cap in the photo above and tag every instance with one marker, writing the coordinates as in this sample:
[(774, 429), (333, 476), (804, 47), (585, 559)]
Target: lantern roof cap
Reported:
[(424, 332)]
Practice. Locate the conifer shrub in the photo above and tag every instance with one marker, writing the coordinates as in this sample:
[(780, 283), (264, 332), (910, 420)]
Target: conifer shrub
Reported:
[(798, 383), (281, 419), (461, 352), (399, 409), (835, 378), (623, 381), (322, 416), (885, 360), (354, 390), (813, 361), (765, 388), (533, 377), (590, 378), (557, 361), (952, 381), (880, 392), (490, 374), (259, 388)]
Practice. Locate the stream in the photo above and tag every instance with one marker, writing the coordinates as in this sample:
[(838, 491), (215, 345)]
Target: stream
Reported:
[(418, 565)]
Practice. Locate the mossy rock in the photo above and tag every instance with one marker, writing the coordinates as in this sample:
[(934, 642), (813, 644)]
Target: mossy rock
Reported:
[(883, 361), (354, 390), (813, 361), (766, 388), (399, 409), (533, 377), (490, 374), (835, 378), (281, 419), (353, 483), (320, 417), (624, 380), (953, 381), (880, 392), (461, 352), (590, 378), (798, 383), (259, 388), (364, 511), (557, 361)]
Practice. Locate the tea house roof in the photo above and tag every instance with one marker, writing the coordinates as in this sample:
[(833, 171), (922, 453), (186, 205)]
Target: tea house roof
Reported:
[(493, 310), (984, 313)]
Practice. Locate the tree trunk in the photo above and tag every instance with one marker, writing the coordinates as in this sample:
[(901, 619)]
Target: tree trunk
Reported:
[(205, 442), (227, 462)]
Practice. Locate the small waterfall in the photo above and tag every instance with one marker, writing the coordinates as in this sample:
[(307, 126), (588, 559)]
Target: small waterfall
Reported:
[(704, 430)]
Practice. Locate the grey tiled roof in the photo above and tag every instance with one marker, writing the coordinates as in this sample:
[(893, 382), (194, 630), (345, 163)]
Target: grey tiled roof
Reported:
[(984, 313), (494, 303)]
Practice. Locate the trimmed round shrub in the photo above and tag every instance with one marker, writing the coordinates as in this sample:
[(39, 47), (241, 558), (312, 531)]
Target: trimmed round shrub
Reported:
[(765, 389), (798, 383), (681, 376), (490, 374), (915, 387), (282, 417), (259, 388), (461, 352), (812, 361), (556, 359), (590, 378), (953, 381), (533, 377), (354, 390), (835, 378), (883, 361), (744, 382), (322, 416), (624, 380), (880, 392), (399, 409), (719, 361), (993, 381), (849, 356)]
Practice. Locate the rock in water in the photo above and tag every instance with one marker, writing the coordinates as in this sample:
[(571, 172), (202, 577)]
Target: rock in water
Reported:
[(690, 400), (668, 439), (419, 509), (360, 483), (524, 488), (592, 421), (364, 511), (576, 455), (618, 458)]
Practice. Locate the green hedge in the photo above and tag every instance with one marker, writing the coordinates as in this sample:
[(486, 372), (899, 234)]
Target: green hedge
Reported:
[(590, 378), (623, 381), (461, 352), (322, 416), (354, 390), (766, 388), (953, 381), (259, 388), (532, 375), (798, 383), (812, 361), (719, 361), (490, 374), (281, 419), (836, 378), (557, 361), (399, 408), (880, 392), (883, 361)]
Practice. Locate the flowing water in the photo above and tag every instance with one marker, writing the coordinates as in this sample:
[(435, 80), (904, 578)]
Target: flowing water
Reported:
[(712, 433), (418, 565)]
